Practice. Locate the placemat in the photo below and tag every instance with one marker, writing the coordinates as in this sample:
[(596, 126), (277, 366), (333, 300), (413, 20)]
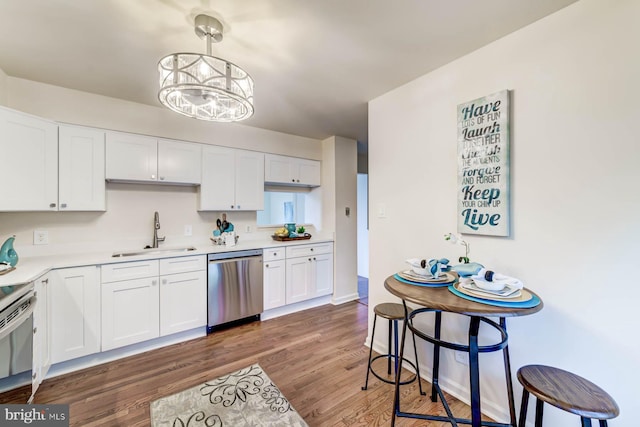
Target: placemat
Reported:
[(534, 301)]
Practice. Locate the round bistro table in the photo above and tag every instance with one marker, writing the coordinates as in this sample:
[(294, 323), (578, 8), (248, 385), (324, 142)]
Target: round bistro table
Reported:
[(438, 300)]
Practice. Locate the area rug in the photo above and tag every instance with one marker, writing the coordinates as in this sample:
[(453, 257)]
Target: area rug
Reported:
[(243, 398)]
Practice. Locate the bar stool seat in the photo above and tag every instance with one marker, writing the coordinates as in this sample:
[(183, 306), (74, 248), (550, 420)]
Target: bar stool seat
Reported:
[(566, 391), (392, 312)]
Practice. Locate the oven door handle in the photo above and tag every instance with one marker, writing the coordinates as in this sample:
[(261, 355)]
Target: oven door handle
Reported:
[(19, 320)]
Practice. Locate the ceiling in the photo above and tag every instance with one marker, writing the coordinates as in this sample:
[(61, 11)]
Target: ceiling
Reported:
[(315, 63)]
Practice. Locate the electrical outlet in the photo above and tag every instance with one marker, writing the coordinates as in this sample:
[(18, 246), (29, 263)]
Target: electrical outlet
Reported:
[(248, 229), (40, 237), (462, 357), (188, 231)]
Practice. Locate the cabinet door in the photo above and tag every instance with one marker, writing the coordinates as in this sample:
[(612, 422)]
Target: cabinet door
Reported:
[(131, 157), (130, 312), (41, 333), (277, 169), (29, 162), (183, 302), (307, 172), (179, 162), (274, 284), (81, 174), (322, 274), (75, 313), (298, 279), (217, 190), (249, 179)]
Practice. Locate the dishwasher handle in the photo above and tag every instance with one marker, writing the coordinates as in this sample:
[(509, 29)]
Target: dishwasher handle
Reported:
[(221, 256)]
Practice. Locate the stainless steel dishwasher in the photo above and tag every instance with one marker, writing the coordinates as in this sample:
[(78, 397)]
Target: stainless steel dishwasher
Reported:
[(234, 287)]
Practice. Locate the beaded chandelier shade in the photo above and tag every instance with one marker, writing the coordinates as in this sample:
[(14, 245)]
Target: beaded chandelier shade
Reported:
[(203, 86)]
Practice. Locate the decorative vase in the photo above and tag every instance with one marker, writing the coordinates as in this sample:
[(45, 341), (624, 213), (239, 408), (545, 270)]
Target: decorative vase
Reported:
[(7, 253)]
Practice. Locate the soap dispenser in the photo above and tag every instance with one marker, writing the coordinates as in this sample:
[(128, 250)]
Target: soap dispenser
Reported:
[(7, 253)]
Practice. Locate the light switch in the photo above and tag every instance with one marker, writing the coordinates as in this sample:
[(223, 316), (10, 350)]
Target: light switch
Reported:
[(188, 231), (382, 210)]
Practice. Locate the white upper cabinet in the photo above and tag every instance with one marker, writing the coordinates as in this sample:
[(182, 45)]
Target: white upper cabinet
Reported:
[(179, 162), (131, 157), (29, 162), (146, 159), (231, 179), (81, 184), (284, 170)]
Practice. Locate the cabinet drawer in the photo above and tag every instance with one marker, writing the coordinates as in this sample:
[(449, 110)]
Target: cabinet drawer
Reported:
[(182, 264), (306, 250), (272, 254), (129, 270)]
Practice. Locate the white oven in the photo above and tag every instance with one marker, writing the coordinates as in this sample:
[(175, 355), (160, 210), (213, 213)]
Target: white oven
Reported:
[(16, 334)]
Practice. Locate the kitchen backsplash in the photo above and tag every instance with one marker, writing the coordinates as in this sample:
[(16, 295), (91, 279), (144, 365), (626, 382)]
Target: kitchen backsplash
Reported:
[(127, 223)]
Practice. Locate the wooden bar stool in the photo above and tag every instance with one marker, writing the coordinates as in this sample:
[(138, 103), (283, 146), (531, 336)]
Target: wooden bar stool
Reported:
[(393, 312), (566, 391)]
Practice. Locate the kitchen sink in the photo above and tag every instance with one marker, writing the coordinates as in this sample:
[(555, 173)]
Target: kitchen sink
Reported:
[(153, 251)]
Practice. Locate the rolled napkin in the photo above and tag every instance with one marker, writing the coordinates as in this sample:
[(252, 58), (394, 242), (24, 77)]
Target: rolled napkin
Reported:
[(493, 281)]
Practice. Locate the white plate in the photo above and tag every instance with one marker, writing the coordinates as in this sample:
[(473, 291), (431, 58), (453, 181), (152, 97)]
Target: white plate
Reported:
[(522, 295), (413, 277)]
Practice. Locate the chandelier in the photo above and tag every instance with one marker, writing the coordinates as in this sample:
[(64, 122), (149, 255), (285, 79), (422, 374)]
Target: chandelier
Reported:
[(203, 86)]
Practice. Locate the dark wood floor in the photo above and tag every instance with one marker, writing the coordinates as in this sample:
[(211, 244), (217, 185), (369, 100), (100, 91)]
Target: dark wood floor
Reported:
[(316, 357)]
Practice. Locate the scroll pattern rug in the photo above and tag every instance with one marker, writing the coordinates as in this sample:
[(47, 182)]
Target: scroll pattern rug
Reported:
[(243, 398)]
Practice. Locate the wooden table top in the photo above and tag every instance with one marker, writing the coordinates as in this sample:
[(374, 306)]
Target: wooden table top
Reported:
[(442, 299)]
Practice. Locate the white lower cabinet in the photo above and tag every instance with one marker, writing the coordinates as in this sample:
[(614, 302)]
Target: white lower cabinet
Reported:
[(274, 278), (75, 313), (151, 299), (297, 273), (130, 312), (183, 301)]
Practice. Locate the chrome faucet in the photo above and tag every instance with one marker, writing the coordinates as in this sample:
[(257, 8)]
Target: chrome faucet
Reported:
[(156, 227)]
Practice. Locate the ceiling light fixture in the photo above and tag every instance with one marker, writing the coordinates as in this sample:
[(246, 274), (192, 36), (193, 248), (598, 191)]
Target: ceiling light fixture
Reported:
[(203, 86)]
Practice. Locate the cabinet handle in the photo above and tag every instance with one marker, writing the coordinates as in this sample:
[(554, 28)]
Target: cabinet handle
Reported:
[(63, 205), (35, 330), (309, 259), (45, 281), (297, 180), (275, 254), (162, 178), (34, 375), (164, 281), (314, 258), (311, 249), (266, 265), (238, 207), (231, 206), (154, 282), (52, 205), (293, 180)]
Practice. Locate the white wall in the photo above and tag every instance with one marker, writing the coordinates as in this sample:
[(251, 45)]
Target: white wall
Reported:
[(363, 231), (339, 181), (575, 198), (72, 106), (3, 88)]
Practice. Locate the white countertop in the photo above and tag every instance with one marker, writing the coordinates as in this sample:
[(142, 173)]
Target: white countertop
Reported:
[(29, 269)]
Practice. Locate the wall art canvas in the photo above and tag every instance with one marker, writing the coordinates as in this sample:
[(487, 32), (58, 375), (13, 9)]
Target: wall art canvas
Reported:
[(483, 166)]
